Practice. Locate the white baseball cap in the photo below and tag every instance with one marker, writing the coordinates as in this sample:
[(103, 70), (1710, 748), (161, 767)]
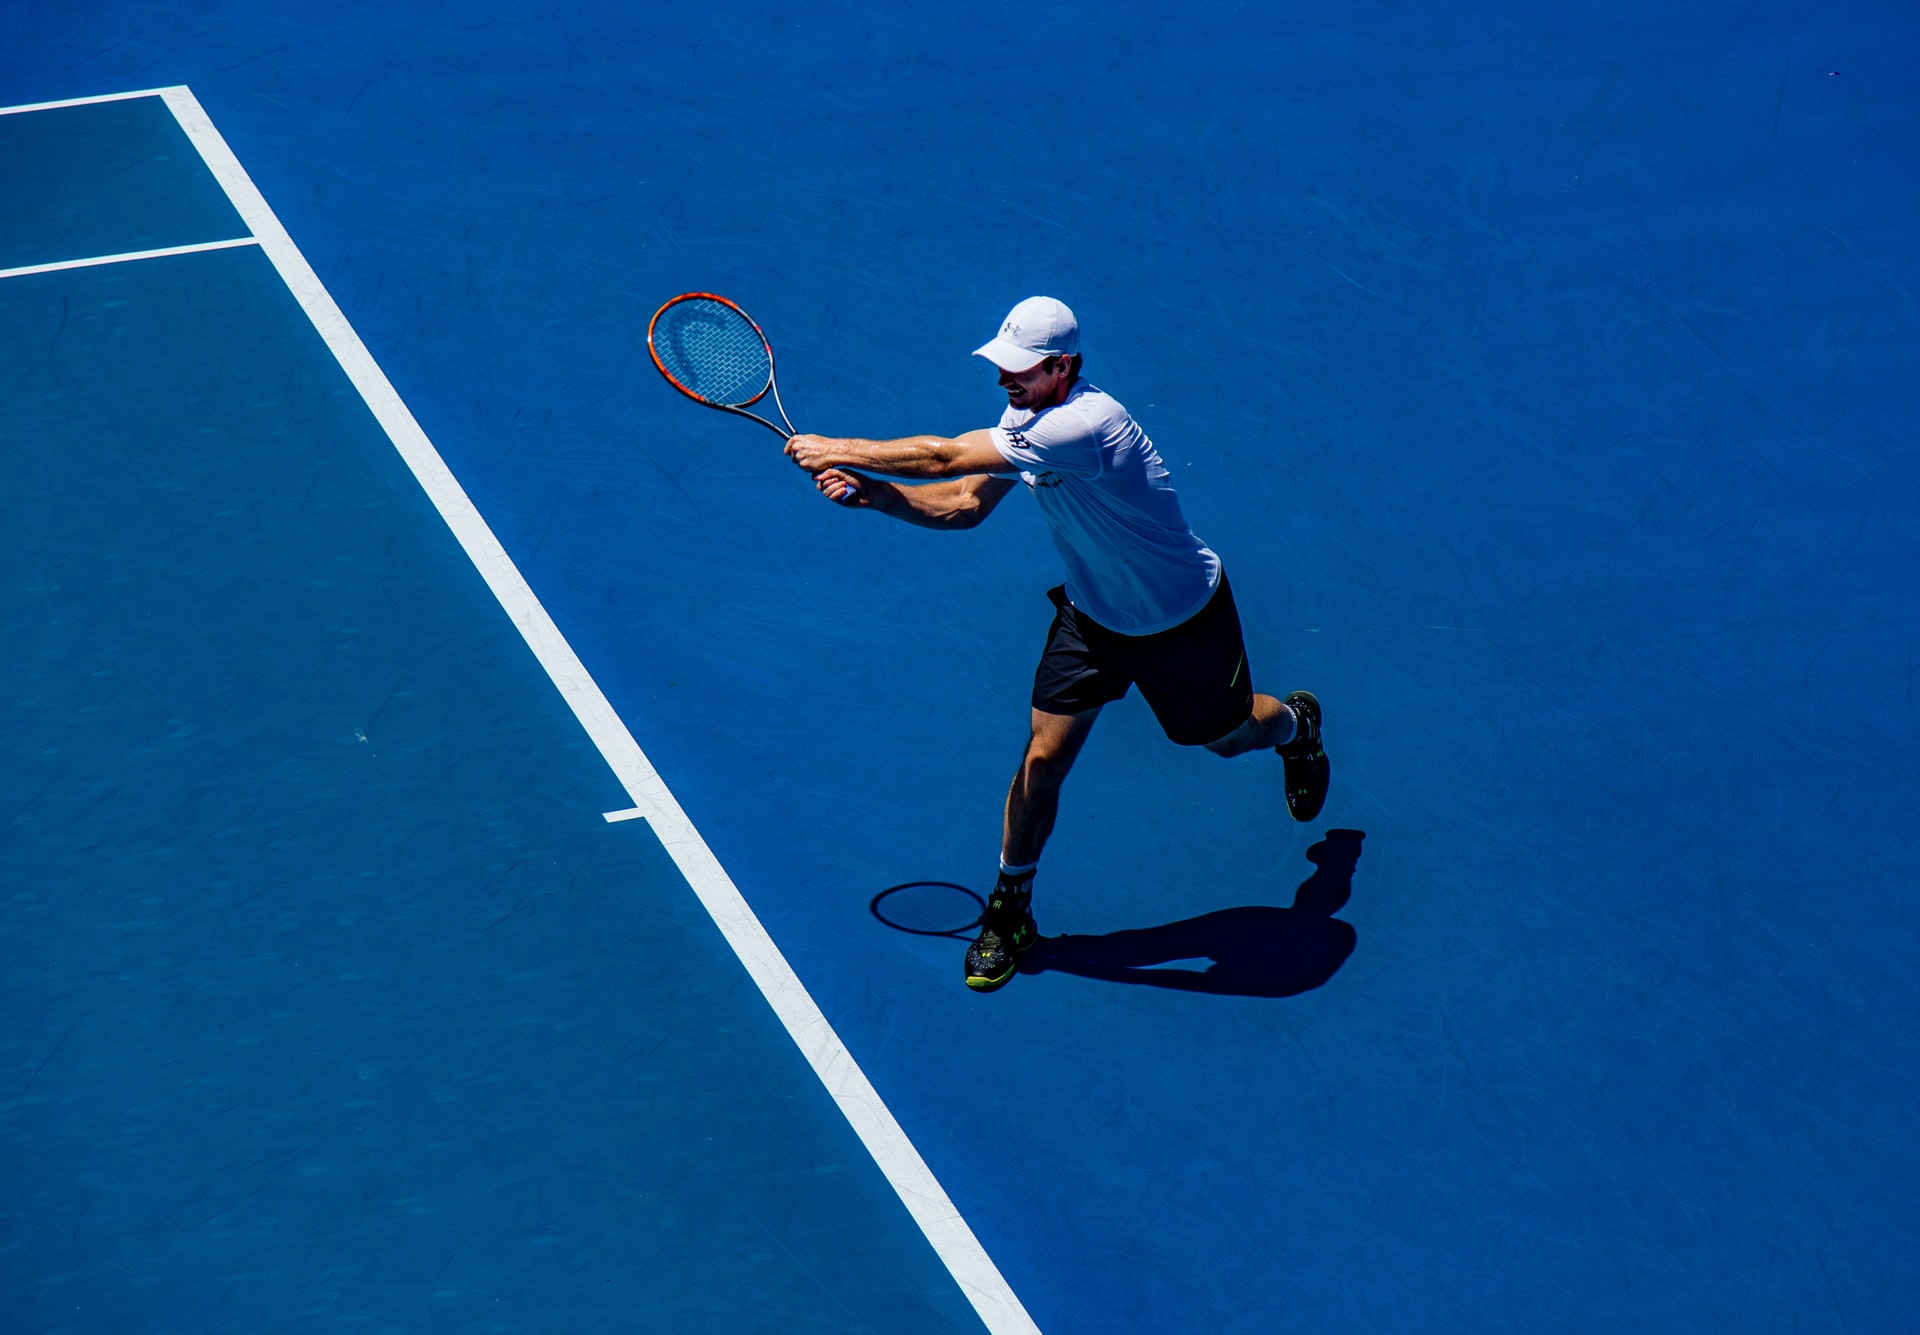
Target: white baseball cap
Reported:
[(1036, 329)]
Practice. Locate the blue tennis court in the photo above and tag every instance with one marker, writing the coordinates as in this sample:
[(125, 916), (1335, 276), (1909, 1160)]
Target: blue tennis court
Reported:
[(454, 783)]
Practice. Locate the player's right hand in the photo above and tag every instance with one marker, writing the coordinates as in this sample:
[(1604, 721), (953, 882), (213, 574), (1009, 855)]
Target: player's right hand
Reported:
[(810, 452)]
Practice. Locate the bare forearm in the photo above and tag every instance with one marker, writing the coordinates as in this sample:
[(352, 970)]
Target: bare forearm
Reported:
[(939, 505), (919, 457)]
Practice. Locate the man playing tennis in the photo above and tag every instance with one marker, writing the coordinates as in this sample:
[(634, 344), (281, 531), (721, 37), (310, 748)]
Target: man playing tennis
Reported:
[(1144, 602)]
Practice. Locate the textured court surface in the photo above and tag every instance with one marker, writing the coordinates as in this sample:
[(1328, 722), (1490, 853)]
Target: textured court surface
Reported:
[(1547, 383)]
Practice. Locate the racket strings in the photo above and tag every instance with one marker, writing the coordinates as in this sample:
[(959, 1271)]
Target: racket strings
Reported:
[(713, 351)]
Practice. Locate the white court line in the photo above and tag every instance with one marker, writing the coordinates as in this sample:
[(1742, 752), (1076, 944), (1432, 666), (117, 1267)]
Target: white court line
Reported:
[(127, 255), (631, 813), (82, 101), (979, 1279)]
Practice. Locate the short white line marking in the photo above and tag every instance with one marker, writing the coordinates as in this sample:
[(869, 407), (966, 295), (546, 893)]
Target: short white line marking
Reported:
[(82, 101), (979, 1279), (125, 256), (631, 813)]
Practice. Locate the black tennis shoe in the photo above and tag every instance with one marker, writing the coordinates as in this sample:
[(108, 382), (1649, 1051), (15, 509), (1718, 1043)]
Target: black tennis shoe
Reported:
[(1307, 770), (1006, 929)]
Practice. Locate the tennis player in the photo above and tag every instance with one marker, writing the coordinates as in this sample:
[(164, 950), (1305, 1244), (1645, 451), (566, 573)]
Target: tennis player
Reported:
[(1145, 601)]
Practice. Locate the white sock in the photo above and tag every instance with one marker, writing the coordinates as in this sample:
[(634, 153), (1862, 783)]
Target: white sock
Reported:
[(1293, 729), (1015, 873)]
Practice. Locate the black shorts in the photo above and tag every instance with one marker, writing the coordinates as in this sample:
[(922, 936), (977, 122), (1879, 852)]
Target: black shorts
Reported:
[(1194, 675)]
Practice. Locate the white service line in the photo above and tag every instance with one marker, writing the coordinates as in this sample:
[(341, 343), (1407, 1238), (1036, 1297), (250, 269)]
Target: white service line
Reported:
[(979, 1279), (82, 101), (127, 255)]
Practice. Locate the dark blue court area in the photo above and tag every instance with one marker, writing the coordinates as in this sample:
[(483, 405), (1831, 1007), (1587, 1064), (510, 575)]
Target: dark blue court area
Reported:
[(1546, 379)]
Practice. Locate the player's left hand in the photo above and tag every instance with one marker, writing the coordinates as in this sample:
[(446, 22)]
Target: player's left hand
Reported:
[(810, 452), (841, 488)]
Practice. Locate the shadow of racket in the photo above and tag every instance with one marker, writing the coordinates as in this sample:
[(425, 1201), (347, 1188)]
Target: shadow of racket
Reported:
[(930, 908)]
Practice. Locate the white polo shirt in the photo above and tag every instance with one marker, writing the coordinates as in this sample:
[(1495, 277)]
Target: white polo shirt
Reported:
[(1133, 565)]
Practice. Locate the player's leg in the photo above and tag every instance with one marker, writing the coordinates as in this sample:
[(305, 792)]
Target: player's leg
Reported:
[(1075, 678), (1292, 728), (1033, 801), (1271, 725)]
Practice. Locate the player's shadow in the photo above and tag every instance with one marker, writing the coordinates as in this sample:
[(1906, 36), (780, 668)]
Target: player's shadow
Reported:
[(1257, 950)]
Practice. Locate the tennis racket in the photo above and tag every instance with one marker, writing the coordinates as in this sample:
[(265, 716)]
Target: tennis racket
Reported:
[(712, 352)]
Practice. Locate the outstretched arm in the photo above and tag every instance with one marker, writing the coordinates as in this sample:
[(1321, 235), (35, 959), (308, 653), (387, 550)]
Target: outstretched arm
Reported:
[(958, 503), (922, 458)]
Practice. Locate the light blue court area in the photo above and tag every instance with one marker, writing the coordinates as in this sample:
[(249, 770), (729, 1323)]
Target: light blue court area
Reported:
[(330, 997), (104, 179)]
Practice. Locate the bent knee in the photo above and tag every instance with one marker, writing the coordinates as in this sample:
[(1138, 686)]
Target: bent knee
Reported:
[(1241, 740)]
